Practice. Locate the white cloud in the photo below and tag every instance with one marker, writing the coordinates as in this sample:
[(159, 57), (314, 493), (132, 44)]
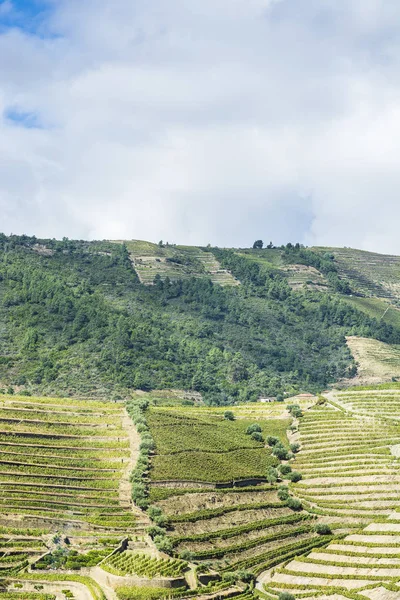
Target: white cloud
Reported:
[(205, 122)]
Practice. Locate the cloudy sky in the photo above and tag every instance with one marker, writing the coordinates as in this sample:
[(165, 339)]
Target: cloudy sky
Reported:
[(198, 121)]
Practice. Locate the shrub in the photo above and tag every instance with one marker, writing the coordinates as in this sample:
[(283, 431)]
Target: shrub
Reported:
[(322, 529), (229, 416), (272, 475), (280, 452), (155, 530), (294, 410), (253, 429), (257, 436), (285, 469), (229, 576), (286, 596), (272, 441), (283, 494), (246, 576), (186, 555), (294, 503), (295, 448), (163, 543), (295, 476)]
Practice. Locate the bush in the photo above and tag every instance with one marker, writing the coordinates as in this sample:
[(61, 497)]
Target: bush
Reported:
[(322, 529), (286, 596), (230, 577), (257, 436), (253, 428), (246, 576), (295, 448), (163, 543), (283, 494), (186, 555), (294, 410), (295, 476), (154, 530), (272, 475), (285, 469), (229, 416), (294, 504), (280, 452), (272, 441)]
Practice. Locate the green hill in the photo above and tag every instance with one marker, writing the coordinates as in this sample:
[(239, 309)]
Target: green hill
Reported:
[(76, 319)]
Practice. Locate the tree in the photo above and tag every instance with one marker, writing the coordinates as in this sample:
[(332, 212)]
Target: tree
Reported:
[(272, 475), (285, 469), (257, 436), (272, 441), (229, 416), (258, 245), (295, 476), (294, 503), (286, 596), (253, 428), (322, 529)]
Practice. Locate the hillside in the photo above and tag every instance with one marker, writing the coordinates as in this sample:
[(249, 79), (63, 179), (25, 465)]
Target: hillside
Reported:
[(137, 460), (76, 320)]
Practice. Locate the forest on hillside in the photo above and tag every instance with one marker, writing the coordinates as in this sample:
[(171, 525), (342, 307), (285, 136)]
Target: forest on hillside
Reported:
[(75, 319)]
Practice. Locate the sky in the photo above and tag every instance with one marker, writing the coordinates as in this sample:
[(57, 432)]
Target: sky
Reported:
[(202, 121)]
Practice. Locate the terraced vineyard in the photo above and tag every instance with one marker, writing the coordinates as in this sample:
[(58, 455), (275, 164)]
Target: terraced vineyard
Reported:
[(199, 456), (369, 273), (377, 362), (198, 444), (129, 563), (349, 461), (62, 467), (176, 262)]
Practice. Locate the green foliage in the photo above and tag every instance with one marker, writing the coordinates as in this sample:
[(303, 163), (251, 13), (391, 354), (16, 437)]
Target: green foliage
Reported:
[(254, 428), (294, 503), (280, 451), (146, 593), (286, 596), (285, 469), (229, 416), (294, 476), (129, 563), (323, 529), (283, 493), (272, 475), (295, 410), (257, 436), (272, 441), (71, 559), (191, 446)]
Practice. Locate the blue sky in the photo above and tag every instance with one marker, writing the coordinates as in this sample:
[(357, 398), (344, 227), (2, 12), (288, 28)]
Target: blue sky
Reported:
[(28, 15), (216, 122)]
